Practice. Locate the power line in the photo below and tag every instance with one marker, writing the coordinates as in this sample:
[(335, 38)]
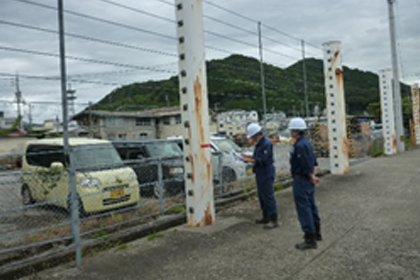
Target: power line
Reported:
[(92, 39), (230, 25), (255, 21), (166, 2), (84, 81), (85, 59), (137, 10), (205, 16), (99, 20), (247, 44), (230, 11)]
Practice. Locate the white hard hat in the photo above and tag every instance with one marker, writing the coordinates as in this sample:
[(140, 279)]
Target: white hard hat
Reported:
[(253, 129), (297, 124)]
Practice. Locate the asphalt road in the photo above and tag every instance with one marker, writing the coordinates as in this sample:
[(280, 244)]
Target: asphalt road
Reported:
[(370, 227)]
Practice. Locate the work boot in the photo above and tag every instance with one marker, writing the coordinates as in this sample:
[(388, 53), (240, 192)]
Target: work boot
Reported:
[(264, 220), (273, 223), (309, 243), (318, 235)]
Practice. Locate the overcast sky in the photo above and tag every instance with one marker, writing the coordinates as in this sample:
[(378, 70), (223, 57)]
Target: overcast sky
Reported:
[(362, 27)]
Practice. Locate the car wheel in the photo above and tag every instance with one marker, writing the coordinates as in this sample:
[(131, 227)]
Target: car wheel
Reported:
[(157, 190), (229, 175), (27, 198)]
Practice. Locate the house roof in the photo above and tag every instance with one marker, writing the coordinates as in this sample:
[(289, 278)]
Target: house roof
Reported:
[(152, 113)]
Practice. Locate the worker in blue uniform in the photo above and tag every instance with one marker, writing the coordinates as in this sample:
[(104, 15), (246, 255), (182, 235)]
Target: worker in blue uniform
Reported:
[(263, 167), (303, 166)]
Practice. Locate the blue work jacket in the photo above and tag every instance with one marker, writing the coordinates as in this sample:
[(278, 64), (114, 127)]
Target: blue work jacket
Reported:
[(263, 156), (303, 159)]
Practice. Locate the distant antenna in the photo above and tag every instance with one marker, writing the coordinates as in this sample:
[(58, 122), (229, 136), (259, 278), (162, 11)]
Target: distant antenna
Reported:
[(71, 97)]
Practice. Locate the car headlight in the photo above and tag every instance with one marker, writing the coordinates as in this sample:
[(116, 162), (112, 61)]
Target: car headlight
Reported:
[(133, 177), (90, 182), (176, 170)]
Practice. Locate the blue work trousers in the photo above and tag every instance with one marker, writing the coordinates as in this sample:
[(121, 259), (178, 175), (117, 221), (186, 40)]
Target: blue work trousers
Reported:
[(265, 188), (304, 194)]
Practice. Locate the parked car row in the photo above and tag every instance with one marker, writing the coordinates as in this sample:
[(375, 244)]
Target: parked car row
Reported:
[(108, 174)]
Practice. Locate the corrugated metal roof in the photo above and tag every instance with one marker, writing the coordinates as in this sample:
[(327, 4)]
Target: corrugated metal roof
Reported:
[(159, 112)]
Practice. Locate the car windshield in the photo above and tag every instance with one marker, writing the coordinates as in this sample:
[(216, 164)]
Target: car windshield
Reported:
[(164, 149), (226, 145), (96, 156)]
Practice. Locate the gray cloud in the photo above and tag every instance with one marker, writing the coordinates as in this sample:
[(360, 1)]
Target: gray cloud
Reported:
[(361, 25)]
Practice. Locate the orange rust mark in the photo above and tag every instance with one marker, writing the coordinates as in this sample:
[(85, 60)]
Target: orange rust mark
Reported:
[(394, 142), (347, 170), (192, 168), (208, 217), (336, 54), (198, 88), (209, 172), (345, 144), (338, 72)]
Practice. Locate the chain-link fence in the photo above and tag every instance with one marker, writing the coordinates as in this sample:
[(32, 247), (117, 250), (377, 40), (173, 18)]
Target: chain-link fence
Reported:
[(118, 190)]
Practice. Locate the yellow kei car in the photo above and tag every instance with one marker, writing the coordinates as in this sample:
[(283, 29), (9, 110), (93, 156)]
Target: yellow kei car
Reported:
[(102, 181)]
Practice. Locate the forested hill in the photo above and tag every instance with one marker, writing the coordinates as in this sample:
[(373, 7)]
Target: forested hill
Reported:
[(234, 83)]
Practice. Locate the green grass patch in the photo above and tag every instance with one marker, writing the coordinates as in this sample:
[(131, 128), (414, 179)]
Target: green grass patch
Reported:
[(101, 235), (176, 210), (249, 190), (408, 144), (278, 187), (376, 149), (154, 236), (121, 247)]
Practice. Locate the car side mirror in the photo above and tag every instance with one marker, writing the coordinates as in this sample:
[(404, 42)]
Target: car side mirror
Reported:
[(57, 165)]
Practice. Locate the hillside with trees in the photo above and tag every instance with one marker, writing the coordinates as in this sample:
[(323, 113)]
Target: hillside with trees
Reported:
[(234, 83)]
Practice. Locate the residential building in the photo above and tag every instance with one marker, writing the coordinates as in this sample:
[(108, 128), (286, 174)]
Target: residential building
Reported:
[(158, 123), (232, 123), (6, 123)]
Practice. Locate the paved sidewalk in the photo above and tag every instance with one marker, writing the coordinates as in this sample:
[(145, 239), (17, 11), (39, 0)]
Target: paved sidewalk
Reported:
[(371, 228)]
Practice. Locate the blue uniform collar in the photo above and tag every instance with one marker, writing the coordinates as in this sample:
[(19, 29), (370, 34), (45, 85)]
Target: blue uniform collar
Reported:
[(299, 139), (261, 140)]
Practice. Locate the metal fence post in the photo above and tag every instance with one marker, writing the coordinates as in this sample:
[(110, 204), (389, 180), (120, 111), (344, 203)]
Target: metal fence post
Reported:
[(305, 83), (161, 189), (220, 170), (387, 108), (416, 113), (195, 113), (90, 120), (73, 198), (336, 107)]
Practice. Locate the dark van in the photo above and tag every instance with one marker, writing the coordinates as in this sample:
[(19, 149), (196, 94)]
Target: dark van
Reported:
[(143, 157)]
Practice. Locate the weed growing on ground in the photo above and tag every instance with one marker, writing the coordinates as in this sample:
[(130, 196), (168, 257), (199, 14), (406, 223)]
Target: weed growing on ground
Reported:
[(154, 236)]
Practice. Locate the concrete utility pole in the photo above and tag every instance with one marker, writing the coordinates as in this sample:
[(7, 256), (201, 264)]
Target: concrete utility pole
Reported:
[(337, 125), (71, 97), (415, 99), (305, 83), (387, 110), (75, 222), (195, 113), (397, 91), (30, 115), (262, 75), (19, 100)]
